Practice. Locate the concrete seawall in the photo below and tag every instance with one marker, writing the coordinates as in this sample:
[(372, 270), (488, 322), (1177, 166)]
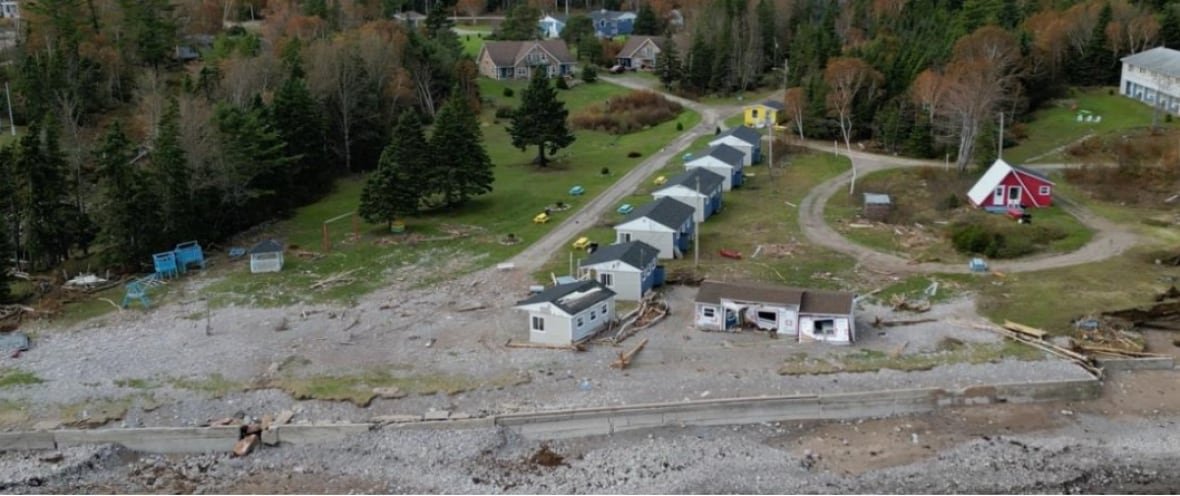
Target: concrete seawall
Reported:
[(1160, 363), (586, 421)]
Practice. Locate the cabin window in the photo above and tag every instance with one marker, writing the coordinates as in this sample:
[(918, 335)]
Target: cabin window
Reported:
[(580, 322), (825, 327), (754, 113), (626, 237), (1014, 193), (708, 312), (538, 324), (607, 280), (1044, 190), (768, 316), (593, 316), (604, 309)]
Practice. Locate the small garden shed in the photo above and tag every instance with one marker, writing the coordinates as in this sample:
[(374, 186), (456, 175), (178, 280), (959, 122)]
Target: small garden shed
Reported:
[(266, 256), (877, 206)]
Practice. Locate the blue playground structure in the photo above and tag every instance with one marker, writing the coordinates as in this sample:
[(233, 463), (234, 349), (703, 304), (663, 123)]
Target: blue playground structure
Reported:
[(171, 264), (166, 264), (137, 289)]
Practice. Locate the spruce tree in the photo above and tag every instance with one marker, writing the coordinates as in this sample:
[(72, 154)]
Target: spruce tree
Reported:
[(5, 254), (460, 167), (589, 74), (668, 63), (7, 207), (769, 34), (700, 64), (1100, 60), (540, 120), (646, 22), (179, 217), (45, 217), (394, 190), (520, 24), (127, 203), (1170, 28), (301, 125)]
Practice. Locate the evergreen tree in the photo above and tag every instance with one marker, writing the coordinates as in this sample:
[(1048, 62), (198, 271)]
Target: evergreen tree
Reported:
[(589, 74), (590, 50), (646, 22), (5, 254), (253, 168), (520, 24), (461, 168), (1009, 15), (438, 20), (577, 28), (540, 120), (301, 125), (126, 205), (1170, 28), (769, 34), (7, 212), (179, 217), (668, 63), (395, 189), (700, 64), (1100, 62), (45, 218), (153, 30)]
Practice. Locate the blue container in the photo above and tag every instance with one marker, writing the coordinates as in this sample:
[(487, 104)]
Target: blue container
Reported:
[(659, 276), (577, 191), (189, 254), (625, 209)]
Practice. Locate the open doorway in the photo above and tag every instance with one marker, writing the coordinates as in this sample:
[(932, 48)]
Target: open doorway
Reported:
[(825, 327)]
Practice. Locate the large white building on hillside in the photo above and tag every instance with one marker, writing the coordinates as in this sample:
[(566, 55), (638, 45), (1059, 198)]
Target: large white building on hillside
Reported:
[(1153, 77), (9, 9)]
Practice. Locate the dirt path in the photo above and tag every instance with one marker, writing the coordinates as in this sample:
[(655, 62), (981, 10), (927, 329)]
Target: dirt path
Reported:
[(535, 255), (1109, 239)]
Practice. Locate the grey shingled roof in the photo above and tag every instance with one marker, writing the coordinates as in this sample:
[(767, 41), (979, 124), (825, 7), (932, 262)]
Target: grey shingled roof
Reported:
[(633, 44), (635, 253), (1034, 173), (508, 53), (727, 154), (1159, 59), (708, 180), (267, 246), (774, 104), (665, 211), (744, 133), (560, 296)]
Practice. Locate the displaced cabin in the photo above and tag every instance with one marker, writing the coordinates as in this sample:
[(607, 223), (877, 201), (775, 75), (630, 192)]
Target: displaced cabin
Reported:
[(639, 53), (568, 313), (698, 188), (266, 256), (629, 269), (746, 139), (551, 26), (1153, 77), (724, 160), (1004, 186), (665, 224), (806, 314), (764, 113), (877, 207)]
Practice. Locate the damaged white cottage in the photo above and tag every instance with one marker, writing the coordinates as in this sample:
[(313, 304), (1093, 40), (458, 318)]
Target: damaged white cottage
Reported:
[(803, 313), (568, 313)]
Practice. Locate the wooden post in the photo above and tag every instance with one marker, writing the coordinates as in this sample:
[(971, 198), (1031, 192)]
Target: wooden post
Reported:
[(326, 244)]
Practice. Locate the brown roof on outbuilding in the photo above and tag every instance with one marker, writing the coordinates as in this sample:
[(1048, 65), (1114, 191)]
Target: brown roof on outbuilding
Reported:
[(827, 302)]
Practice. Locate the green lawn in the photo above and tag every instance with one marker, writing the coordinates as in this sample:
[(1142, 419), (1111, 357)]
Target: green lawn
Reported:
[(471, 43), (1057, 125), (756, 214), (471, 234), (6, 135)]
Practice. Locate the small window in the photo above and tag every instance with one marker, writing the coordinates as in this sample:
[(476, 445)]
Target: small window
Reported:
[(593, 315), (626, 237), (604, 309), (538, 324), (607, 280), (708, 312), (767, 316), (754, 113), (581, 322), (1045, 190)]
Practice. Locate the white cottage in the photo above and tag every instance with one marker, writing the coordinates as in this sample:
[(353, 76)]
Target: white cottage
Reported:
[(628, 269), (746, 139), (698, 188), (1153, 77), (723, 160), (568, 313), (665, 224), (266, 256), (804, 314)]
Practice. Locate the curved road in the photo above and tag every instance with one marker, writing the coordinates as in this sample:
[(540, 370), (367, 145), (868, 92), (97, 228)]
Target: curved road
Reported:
[(542, 249), (1109, 239)]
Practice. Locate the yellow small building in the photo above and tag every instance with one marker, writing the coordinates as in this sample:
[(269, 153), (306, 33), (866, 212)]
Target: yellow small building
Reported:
[(763, 113)]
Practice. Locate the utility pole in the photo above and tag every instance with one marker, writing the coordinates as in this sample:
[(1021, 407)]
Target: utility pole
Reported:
[(696, 233), (11, 123), (1000, 138)]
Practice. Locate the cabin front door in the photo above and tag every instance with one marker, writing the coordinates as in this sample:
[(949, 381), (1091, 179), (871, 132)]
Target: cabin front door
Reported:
[(1014, 196), (998, 196)]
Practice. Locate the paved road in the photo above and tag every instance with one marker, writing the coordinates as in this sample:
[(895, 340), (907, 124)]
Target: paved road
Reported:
[(1109, 239), (540, 251)]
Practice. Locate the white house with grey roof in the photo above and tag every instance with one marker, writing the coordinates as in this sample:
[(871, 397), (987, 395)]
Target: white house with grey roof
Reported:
[(1153, 77), (699, 188), (568, 313), (665, 224), (628, 269), (9, 9), (744, 138), (723, 160)]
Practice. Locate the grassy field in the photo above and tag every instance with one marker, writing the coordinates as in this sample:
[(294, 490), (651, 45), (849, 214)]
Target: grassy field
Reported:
[(918, 226), (1057, 125), (866, 360), (7, 137), (453, 241), (755, 215), (472, 43)]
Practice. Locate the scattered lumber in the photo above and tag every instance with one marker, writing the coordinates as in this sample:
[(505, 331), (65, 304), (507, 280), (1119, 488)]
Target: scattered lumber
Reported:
[(335, 279), (901, 303), (1120, 352), (1082, 360), (624, 359), (246, 445), (650, 312), (878, 323), (1023, 329), (540, 346)]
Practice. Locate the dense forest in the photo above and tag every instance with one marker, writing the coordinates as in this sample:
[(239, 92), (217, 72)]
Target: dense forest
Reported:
[(129, 146)]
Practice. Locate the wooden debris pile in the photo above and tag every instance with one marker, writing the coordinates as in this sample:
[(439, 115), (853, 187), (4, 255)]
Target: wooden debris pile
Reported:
[(652, 309), (541, 346), (901, 303), (338, 279), (624, 359), (1164, 314), (1036, 338), (1107, 337), (253, 434)]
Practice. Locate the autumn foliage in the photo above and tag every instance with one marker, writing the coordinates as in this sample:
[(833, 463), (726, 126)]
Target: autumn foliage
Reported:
[(627, 113)]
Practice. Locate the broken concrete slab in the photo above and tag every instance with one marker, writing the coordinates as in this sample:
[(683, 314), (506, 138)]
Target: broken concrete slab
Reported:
[(389, 393), (270, 437), (47, 425), (437, 415), (460, 416), (284, 417)]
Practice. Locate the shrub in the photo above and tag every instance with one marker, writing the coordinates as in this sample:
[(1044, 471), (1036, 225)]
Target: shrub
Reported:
[(951, 202), (504, 112), (508, 93), (561, 84), (605, 171), (634, 154), (1167, 117), (970, 238), (679, 126), (589, 74), (627, 113)]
